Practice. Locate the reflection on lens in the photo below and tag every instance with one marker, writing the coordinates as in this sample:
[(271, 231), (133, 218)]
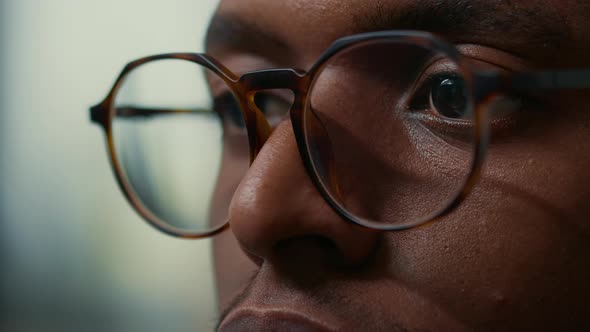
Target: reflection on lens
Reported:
[(390, 132), (175, 146), (448, 97)]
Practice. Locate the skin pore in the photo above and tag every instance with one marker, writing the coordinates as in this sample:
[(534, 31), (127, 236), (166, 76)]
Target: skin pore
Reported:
[(514, 256)]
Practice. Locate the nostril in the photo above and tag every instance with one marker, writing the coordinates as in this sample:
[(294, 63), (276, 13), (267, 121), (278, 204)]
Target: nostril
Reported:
[(296, 257), (306, 249), (305, 252)]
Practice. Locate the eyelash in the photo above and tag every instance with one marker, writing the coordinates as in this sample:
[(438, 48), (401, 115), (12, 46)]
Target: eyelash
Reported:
[(420, 99)]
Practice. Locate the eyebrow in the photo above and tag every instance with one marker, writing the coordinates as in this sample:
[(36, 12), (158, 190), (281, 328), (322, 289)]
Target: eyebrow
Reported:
[(234, 33), (531, 32), (505, 25)]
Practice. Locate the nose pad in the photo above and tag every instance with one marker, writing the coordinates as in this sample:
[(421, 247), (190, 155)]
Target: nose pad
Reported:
[(258, 128), (266, 109)]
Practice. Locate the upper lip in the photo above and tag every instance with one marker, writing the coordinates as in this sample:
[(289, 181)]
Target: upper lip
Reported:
[(271, 319)]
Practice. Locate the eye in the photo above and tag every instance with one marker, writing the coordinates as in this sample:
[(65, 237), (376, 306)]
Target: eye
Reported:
[(229, 110), (440, 102), (443, 95), (274, 107), (448, 96)]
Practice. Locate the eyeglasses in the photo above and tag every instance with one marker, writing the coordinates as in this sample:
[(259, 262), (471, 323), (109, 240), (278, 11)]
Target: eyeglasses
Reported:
[(392, 128)]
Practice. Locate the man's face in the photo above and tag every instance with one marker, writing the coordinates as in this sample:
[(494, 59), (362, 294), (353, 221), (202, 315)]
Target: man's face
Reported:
[(514, 256)]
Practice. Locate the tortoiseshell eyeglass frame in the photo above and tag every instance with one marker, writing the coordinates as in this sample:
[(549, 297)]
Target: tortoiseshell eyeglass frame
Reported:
[(485, 87)]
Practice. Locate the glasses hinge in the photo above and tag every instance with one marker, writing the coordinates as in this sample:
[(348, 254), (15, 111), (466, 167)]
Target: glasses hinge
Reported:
[(97, 114)]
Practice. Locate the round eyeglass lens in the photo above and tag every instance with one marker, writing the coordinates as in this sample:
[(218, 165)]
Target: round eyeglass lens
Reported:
[(390, 131), (180, 145)]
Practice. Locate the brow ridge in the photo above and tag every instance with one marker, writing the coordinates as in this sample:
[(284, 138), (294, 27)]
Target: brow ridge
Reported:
[(464, 21)]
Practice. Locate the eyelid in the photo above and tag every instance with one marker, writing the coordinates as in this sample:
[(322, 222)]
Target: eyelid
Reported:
[(478, 58), (501, 59), (439, 65)]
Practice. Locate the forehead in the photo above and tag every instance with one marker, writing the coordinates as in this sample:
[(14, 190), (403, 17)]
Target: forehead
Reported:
[(297, 22), (532, 28)]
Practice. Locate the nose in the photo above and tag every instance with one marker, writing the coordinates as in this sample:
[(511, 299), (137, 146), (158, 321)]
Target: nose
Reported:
[(277, 202)]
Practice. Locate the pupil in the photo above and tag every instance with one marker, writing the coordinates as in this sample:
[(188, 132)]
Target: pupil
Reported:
[(449, 97)]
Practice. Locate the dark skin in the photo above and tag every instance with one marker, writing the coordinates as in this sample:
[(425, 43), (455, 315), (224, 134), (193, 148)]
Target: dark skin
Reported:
[(513, 257)]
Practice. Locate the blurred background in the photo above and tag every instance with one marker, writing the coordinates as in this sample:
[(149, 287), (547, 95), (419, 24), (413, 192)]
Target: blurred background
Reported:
[(74, 255)]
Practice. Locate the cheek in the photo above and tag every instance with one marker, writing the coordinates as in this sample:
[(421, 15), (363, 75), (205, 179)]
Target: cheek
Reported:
[(516, 251), (493, 272), (499, 263), (547, 166)]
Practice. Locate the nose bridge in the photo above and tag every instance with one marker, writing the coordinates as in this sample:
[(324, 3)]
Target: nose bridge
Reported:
[(273, 79), (276, 202)]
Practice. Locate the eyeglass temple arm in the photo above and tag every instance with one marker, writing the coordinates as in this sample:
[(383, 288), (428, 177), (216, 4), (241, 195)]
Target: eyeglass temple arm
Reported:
[(489, 82), (146, 112), (133, 111), (551, 80)]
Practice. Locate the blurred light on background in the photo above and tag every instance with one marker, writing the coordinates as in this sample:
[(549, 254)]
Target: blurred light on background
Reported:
[(75, 256)]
